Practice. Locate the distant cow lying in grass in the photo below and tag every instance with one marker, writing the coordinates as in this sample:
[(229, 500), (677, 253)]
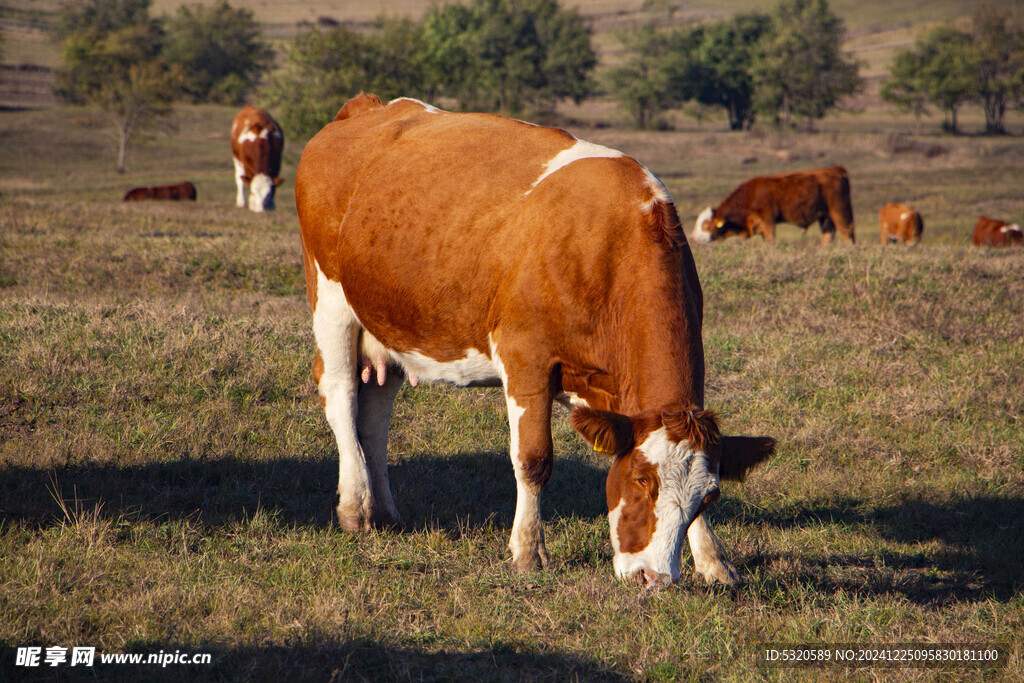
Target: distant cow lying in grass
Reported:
[(801, 198), (184, 190), (989, 232), (484, 251), (898, 223)]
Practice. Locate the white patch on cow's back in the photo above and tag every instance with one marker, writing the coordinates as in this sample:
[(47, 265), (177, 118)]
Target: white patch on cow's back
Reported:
[(581, 150), (699, 234), (247, 135), (1013, 227), (429, 108), (905, 215)]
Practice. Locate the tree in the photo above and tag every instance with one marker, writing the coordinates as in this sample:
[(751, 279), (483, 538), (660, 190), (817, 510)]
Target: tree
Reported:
[(220, 51), (508, 55), (116, 65), (713, 65), (1000, 64), (948, 70), (326, 68), (82, 26), (642, 84), (802, 71), (904, 87)]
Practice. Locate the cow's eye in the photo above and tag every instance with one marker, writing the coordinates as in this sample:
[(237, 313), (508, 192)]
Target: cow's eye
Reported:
[(641, 481)]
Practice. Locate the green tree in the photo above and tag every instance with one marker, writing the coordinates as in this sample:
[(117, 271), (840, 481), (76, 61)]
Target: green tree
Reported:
[(82, 26), (905, 87), (802, 71), (325, 68), (642, 84), (999, 42), (116, 65), (507, 55), (220, 51), (949, 70), (713, 65)]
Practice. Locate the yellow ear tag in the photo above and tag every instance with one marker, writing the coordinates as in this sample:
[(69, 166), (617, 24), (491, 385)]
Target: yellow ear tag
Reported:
[(720, 223), (600, 446)]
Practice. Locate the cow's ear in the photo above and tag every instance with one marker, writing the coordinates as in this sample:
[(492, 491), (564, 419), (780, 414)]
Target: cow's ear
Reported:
[(605, 432), (278, 181), (741, 453)]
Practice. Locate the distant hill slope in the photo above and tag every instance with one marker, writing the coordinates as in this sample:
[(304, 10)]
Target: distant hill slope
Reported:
[(876, 28)]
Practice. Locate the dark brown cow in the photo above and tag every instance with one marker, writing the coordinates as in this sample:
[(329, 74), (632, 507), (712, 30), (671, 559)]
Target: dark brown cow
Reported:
[(899, 224), (821, 195), (989, 232), (184, 190), (480, 250), (256, 145)]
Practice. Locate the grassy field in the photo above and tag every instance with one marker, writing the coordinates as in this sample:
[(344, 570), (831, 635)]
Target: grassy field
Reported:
[(166, 473)]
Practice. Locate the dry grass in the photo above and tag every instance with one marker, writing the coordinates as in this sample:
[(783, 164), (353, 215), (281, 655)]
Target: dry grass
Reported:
[(166, 473)]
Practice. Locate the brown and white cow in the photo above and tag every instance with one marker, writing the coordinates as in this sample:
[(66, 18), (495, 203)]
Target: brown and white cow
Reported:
[(899, 224), (256, 144), (989, 232), (177, 191), (753, 208), (480, 250)]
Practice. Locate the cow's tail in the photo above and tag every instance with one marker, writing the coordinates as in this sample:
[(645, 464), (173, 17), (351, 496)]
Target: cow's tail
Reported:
[(844, 193)]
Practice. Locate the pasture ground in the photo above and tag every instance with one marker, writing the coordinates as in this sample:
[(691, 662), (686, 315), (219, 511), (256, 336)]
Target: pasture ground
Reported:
[(166, 472)]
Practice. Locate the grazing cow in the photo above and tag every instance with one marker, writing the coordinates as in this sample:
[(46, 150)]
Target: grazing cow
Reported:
[(898, 223), (755, 206), (480, 250), (256, 144), (989, 232), (184, 190)]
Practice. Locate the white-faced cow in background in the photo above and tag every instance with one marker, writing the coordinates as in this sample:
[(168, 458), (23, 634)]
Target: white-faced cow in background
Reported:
[(801, 198), (992, 232), (480, 250), (256, 144)]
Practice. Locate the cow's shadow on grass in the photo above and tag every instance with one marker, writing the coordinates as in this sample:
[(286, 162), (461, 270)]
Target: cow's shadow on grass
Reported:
[(964, 549), (979, 552), (449, 493)]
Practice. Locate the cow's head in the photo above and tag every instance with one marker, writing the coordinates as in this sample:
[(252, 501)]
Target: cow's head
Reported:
[(261, 192), (666, 471), (710, 226)]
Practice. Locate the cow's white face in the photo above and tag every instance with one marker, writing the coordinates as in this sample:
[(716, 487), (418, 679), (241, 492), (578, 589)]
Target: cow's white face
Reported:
[(663, 487), (703, 230), (261, 193), (665, 473)]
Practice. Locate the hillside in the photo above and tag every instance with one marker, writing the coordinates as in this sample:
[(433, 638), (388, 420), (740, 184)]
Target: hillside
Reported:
[(875, 29)]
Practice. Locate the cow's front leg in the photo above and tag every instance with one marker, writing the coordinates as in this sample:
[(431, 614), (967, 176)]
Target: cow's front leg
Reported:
[(376, 402), (243, 188), (709, 555), (531, 450)]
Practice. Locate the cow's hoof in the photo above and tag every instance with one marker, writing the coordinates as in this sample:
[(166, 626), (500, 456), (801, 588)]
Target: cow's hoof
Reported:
[(352, 520), (722, 572), (531, 561)]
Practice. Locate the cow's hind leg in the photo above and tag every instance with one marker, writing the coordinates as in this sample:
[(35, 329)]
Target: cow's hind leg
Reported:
[(337, 332), (709, 555), (375, 403), (531, 451)]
